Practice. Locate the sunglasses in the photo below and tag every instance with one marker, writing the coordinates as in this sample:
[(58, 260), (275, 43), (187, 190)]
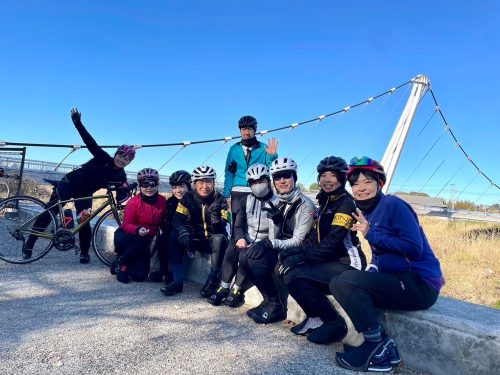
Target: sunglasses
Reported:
[(148, 184), (364, 161), (286, 175)]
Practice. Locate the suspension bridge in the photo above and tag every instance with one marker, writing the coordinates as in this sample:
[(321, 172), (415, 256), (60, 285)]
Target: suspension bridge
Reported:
[(421, 153)]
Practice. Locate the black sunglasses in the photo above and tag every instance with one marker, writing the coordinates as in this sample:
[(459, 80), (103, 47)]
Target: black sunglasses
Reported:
[(280, 175), (148, 184)]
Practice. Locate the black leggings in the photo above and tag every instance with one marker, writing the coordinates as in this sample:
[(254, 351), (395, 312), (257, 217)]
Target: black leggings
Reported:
[(230, 266), (260, 271), (215, 246), (360, 292), (41, 223), (308, 285), (134, 253)]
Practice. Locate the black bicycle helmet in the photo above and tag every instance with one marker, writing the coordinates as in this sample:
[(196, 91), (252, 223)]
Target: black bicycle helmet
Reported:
[(332, 163), (180, 177), (247, 122)]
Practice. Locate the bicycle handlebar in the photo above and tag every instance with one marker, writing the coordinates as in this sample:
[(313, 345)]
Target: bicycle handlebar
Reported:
[(118, 186)]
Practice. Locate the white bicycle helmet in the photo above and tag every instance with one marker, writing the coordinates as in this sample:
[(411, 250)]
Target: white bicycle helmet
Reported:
[(202, 172), (283, 164), (257, 171)]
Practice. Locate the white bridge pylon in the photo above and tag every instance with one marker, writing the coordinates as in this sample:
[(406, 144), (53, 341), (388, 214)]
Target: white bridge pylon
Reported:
[(393, 151)]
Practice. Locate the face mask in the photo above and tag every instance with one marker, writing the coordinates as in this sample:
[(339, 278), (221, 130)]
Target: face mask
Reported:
[(260, 190)]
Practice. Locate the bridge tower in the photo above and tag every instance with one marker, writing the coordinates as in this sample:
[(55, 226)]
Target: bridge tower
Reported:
[(393, 151)]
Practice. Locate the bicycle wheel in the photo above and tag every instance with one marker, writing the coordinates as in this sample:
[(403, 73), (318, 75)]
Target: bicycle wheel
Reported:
[(4, 190), (103, 236), (17, 222)]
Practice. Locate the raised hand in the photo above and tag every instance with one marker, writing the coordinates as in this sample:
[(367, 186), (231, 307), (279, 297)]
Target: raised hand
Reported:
[(272, 147), (362, 225), (76, 116)]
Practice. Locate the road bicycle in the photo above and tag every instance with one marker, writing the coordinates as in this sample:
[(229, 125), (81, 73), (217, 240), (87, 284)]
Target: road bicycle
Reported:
[(18, 215)]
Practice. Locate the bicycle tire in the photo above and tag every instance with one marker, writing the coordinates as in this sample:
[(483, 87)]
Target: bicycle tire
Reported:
[(103, 236), (15, 224), (4, 190)]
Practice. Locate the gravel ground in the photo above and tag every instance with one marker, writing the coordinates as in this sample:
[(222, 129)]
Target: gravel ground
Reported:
[(60, 317)]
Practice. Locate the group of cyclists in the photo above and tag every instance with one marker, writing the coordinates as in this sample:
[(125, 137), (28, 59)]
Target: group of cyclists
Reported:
[(262, 230)]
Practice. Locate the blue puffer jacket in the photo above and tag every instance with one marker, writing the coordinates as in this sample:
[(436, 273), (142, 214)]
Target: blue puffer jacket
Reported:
[(236, 165), (398, 241)]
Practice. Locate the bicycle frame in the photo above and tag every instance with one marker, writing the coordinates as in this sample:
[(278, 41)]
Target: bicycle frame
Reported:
[(110, 201)]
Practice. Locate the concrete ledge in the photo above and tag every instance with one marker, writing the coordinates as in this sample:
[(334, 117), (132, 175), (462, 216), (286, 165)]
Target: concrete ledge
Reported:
[(452, 337)]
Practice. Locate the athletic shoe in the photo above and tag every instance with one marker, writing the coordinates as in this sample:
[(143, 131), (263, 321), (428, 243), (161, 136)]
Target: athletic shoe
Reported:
[(156, 276), (209, 287), (369, 356), (27, 253), (172, 288), (235, 298), (122, 274), (329, 332), (307, 326), (84, 258), (272, 311), (112, 267), (216, 298), (392, 351)]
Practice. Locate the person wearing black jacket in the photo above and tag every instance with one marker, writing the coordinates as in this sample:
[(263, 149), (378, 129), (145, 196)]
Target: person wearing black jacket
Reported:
[(95, 174), (200, 223), (180, 181), (329, 249)]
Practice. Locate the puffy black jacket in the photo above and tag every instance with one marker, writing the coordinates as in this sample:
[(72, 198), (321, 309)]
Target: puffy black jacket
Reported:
[(202, 216), (331, 239)]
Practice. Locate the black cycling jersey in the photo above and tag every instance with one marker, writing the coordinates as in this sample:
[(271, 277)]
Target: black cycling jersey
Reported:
[(331, 238), (97, 172), (202, 216)]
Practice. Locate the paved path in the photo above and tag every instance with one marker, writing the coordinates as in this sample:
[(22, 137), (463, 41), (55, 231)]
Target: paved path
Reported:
[(60, 317)]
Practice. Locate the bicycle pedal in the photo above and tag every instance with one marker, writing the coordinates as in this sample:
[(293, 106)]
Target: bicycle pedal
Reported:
[(77, 250)]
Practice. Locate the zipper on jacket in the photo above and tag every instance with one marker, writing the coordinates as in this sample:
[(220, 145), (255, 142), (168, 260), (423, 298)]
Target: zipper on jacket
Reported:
[(204, 219), (319, 222)]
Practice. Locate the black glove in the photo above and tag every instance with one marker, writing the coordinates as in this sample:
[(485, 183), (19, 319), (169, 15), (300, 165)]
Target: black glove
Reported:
[(184, 238), (273, 213), (76, 117), (285, 253), (290, 263), (257, 249)]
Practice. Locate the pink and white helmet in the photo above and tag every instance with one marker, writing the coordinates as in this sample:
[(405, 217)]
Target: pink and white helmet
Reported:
[(126, 150)]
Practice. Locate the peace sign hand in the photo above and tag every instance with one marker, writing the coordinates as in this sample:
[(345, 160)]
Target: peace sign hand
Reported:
[(362, 225), (272, 149)]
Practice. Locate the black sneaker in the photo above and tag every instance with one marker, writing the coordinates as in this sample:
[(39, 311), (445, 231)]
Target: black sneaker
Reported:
[(235, 298), (112, 266), (329, 332), (122, 274), (216, 298), (84, 258), (392, 351), (209, 287), (307, 326), (369, 356), (156, 276), (27, 253), (172, 288), (270, 312)]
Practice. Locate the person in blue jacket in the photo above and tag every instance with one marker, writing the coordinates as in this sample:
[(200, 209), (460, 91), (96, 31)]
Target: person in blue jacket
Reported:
[(240, 157), (404, 273)]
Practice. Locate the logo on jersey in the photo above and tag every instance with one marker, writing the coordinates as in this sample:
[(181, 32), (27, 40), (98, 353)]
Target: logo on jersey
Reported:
[(343, 220)]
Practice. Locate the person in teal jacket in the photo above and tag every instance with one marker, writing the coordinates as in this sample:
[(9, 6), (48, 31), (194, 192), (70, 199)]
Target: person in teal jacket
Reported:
[(242, 155)]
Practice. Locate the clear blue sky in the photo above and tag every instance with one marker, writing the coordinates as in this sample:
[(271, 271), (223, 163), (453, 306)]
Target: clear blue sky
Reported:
[(166, 71)]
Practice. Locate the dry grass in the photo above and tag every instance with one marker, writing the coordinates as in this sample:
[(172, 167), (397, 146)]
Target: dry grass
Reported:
[(469, 253)]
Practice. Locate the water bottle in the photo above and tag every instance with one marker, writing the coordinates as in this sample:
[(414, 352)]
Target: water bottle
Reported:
[(68, 219), (83, 216)]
